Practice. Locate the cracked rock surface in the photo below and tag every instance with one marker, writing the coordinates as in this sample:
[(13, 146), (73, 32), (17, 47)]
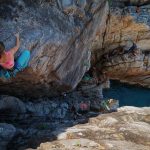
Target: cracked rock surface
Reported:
[(126, 129), (123, 25)]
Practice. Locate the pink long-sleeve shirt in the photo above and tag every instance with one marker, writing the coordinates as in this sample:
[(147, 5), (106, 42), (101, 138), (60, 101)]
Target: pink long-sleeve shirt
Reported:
[(10, 61)]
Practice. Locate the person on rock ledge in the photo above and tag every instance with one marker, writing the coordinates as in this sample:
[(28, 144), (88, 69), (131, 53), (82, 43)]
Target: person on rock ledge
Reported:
[(8, 66)]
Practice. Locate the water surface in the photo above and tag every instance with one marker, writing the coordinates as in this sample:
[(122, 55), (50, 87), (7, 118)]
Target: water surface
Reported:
[(128, 95)]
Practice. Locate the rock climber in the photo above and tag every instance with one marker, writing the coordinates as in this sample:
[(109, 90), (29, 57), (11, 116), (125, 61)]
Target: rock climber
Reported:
[(8, 66)]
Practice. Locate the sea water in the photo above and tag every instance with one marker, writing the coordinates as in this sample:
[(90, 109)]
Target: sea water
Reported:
[(128, 95)]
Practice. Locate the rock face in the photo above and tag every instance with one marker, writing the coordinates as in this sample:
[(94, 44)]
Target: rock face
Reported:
[(58, 34), (134, 69), (125, 24), (129, 68), (126, 129), (66, 39), (128, 23), (63, 34)]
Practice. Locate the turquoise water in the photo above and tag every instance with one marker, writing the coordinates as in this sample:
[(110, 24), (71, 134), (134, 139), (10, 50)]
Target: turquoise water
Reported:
[(128, 95)]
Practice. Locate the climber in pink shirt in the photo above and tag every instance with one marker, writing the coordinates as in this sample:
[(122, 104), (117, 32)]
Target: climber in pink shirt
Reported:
[(9, 67)]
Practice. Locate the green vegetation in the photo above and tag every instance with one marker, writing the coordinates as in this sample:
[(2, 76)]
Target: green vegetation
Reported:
[(78, 144), (109, 1)]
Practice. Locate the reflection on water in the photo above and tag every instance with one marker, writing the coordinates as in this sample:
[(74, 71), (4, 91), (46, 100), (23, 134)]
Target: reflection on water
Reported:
[(128, 95)]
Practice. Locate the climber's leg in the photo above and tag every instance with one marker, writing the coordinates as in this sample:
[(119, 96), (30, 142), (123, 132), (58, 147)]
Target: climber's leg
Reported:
[(22, 61)]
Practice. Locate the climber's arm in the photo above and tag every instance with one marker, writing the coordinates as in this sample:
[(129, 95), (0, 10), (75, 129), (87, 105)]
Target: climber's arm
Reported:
[(15, 49)]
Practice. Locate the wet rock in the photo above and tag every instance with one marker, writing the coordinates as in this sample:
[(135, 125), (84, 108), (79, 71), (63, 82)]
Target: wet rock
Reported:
[(7, 132)]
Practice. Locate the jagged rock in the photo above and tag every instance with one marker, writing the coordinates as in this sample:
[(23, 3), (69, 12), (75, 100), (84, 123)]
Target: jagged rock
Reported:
[(124, 25), (7, 132), (129, 128), (59, 43)]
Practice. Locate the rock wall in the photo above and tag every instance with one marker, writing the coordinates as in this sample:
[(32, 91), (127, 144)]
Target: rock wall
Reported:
[(63, 34), (125, 24), (59, 34), (130, 23)]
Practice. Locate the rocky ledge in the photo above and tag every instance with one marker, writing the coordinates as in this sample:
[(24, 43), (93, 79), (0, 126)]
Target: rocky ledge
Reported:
[(129, 128)]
